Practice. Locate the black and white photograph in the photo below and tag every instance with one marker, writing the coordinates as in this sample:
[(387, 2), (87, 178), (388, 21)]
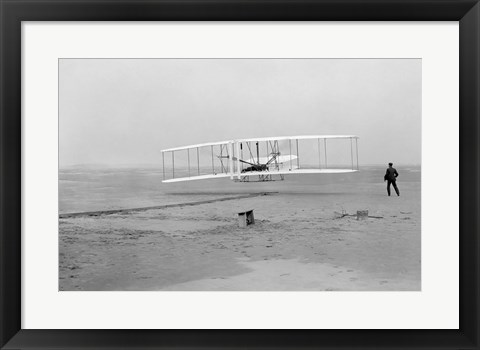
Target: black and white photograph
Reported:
[(236, 174)]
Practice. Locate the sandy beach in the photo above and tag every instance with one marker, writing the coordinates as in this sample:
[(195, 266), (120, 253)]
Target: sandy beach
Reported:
[(299, 242)]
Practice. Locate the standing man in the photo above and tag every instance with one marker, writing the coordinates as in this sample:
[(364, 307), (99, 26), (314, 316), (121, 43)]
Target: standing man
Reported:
[(391, 177)]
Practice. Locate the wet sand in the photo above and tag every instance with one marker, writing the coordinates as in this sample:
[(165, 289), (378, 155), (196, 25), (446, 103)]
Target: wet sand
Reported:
[(298, 243)]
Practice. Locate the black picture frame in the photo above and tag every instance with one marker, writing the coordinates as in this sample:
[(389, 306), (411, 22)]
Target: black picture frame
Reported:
[(13, 12)]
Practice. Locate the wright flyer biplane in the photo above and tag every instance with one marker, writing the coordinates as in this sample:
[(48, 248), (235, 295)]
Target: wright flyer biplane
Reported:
[(262, 159)]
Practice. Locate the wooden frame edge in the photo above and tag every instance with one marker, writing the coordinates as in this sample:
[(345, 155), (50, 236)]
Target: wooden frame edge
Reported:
[(12, 12)]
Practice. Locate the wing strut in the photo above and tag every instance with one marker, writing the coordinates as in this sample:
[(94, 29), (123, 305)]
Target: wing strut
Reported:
[(325, 147), (319, 156), (298, 159), (351, 150), (268, 154), (213, 165), (230, 159), (188, 154), (356, 144), (198, 161), (173, 164), (237, 153), (163, 162), (290, 144), (250, 151)]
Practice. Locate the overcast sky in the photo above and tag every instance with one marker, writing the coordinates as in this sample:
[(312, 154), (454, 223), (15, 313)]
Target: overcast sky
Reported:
[(118, 112)]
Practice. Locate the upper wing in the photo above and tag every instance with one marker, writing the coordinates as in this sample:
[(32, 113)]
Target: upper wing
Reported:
[(301, 137), (200, 145)]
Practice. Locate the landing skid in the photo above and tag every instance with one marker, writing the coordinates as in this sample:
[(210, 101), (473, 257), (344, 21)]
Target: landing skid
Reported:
[(261, 178)]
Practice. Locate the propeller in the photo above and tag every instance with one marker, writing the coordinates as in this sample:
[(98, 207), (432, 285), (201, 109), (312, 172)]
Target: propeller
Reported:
[(272, 159)]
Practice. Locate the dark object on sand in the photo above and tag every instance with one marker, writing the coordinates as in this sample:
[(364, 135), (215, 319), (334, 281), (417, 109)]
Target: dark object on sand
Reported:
[(246, 218), (362, 214)]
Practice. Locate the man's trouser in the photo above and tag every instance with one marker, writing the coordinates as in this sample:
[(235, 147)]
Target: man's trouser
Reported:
[(394, 183)]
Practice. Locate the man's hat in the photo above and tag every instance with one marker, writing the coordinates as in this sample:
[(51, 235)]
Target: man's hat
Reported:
[(390, 164)]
